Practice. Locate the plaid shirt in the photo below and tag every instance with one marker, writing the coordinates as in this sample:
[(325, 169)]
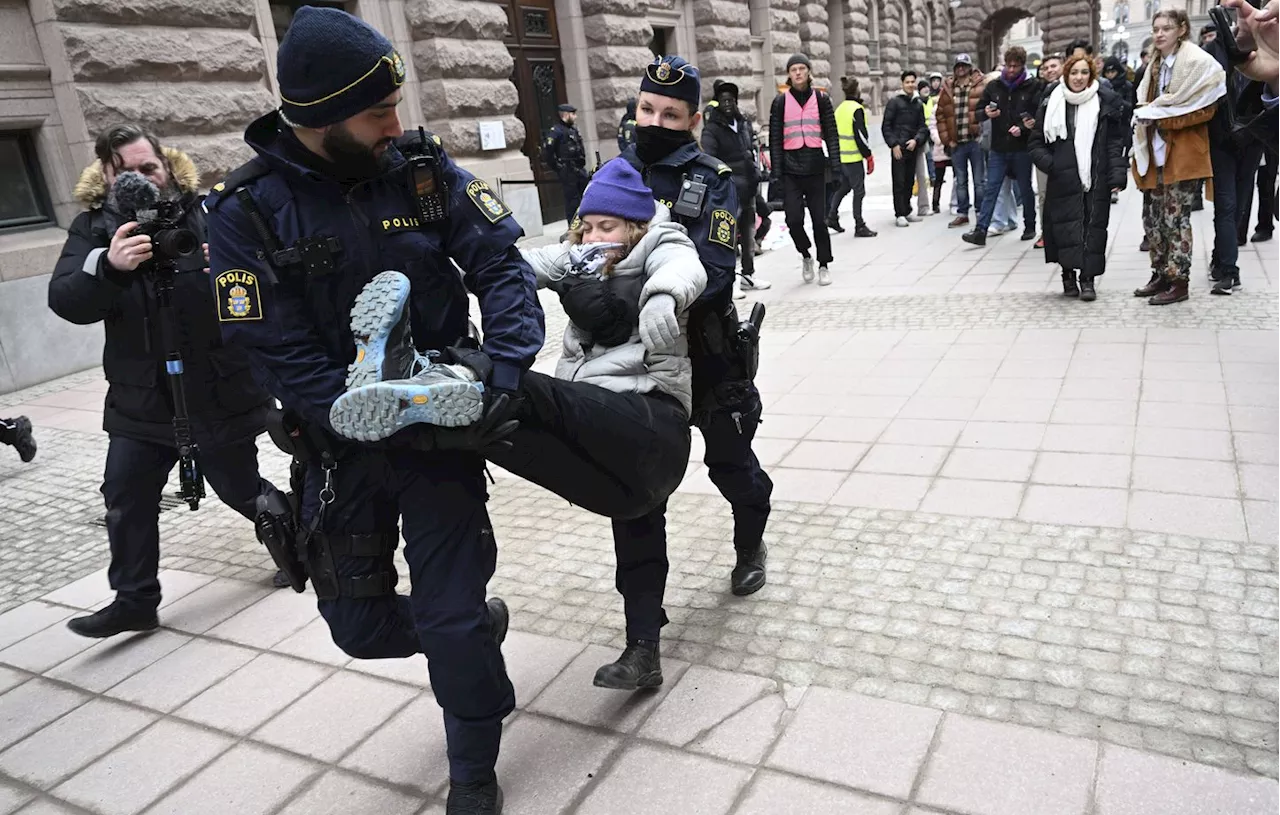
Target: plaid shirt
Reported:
[(963, 132)]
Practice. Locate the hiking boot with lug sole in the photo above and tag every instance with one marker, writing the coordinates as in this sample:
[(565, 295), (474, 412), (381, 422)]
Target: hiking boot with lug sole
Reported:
[(380, 326), (441, 395), (116, 618), (640, 666)]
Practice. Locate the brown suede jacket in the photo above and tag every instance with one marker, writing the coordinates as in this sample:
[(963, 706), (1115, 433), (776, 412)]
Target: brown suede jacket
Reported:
[(946, 113), (1186, 140)]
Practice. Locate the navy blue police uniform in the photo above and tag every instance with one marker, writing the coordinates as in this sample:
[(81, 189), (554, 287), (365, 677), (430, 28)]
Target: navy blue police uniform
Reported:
[(726, 404), (564, 152), (289, 307)]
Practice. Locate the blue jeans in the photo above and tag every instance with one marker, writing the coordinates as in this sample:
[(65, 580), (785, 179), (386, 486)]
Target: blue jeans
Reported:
[(999, 165), (964, 156)]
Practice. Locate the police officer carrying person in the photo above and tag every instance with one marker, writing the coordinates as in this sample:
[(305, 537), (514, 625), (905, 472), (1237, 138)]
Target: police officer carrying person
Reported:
[(107, 273), (700, 192), (330, 201), (565, 154)]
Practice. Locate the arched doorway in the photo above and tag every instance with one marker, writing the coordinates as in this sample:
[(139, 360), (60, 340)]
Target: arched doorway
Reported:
[(980, 25)]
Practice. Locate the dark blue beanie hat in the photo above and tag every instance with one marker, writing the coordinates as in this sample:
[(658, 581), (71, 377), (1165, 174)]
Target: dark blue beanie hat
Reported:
[(332, 65), (673, 77), (618, 190)]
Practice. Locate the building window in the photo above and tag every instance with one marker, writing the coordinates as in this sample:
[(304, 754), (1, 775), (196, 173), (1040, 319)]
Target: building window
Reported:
[(663, 38), (282, 12), (1152, 6), (24, 201), (1122, 13)]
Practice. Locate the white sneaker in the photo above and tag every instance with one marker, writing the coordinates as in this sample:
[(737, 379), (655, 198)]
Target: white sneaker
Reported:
[(806, 269), (900, 221), (824, 275), (738, 293), (914, 219), (752, 284)]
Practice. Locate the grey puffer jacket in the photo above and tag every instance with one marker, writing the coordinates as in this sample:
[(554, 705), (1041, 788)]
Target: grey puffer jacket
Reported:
[(665, 261)]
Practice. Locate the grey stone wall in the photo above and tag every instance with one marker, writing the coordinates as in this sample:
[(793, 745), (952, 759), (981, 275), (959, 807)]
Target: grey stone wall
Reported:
[(193, 72), (617, 37)]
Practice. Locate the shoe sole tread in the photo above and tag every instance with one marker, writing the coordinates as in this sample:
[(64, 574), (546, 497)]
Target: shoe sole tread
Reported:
[(376, 411), (378, 309)]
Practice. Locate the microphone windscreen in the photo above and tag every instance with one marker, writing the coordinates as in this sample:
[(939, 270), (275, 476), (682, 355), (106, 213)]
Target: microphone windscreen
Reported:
[(131, 192)]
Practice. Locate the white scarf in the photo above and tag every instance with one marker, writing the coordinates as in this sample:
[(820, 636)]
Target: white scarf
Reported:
[(1198, 81), (1055, 124)]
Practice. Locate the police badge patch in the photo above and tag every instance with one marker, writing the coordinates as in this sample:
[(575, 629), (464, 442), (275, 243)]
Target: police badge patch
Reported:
[(489, 204), (724, 228), (238, 296)]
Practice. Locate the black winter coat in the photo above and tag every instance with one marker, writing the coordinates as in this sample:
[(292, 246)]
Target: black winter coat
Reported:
[(225, 404), (737, 149), (1013, 104), (903, 121), (1075, 221), (806, 160)]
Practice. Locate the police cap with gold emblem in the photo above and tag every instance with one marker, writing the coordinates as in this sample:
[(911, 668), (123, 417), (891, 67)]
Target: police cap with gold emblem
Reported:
[(332, 65), (673, 77)]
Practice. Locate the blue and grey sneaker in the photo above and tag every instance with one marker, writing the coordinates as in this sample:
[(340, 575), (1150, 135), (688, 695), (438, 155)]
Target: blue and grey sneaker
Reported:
[(441, 395), (380, 323)]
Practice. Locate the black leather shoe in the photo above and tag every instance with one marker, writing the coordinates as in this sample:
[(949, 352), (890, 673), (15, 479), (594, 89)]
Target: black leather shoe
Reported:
[(280, 580), (864, 231), (478, 798), (1157, 284), (1260, 236), (1029, 235), (749, 575), (640, 666), (116, 618), (18, 433), (975, 237), (1145, 247), (834, 224)]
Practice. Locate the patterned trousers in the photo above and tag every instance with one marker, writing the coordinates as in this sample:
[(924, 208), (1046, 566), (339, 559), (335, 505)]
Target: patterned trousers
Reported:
[(1166, 217)]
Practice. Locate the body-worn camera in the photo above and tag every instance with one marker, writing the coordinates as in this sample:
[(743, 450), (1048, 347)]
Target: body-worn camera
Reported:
[(172, 245)]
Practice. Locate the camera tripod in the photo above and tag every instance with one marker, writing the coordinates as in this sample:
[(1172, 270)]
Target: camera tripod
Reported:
[(190, 479)]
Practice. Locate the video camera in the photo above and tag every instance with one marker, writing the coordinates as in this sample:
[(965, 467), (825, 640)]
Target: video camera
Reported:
[(173, 246)]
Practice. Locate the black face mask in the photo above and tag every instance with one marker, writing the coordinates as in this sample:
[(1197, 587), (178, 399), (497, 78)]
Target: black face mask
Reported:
[(655, 143)]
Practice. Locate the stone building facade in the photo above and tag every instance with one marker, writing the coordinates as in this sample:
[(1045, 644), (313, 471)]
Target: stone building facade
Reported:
[(198, 72)]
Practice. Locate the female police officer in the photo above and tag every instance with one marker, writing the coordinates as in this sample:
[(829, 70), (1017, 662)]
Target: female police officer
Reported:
[(328, 203)]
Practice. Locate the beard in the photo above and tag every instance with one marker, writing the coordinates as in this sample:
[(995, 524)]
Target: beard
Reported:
[(352, 158)]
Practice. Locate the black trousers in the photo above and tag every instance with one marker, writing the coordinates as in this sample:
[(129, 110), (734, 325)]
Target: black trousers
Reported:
[(903, 172), (763, 210), (747, 225), (615, 454), (641, 544), (136, 473), (1267, 194), (449, 547), (801, 192), (1249, 161), (853, 179), (572, 184)]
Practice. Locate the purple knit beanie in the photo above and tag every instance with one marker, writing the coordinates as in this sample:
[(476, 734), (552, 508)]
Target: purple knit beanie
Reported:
[(618, 190)]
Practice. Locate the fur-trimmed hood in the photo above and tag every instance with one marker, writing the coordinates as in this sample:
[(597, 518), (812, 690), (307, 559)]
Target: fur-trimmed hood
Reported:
[(91, 189)]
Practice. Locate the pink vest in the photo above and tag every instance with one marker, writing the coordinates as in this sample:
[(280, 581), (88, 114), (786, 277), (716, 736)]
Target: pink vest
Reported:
[(801, 126)]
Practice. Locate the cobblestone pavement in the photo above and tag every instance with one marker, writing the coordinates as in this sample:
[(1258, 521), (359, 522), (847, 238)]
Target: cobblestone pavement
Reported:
[(995, 503)]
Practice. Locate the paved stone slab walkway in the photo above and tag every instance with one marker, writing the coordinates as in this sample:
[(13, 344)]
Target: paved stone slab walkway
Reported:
[(240, 704), (1001, 517)]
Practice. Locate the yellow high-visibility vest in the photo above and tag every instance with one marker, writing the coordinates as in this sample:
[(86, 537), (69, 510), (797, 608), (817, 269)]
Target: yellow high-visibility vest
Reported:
[(849, 152)]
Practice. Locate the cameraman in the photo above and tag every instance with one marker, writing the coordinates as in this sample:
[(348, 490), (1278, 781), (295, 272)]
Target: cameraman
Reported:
[(102, 276)]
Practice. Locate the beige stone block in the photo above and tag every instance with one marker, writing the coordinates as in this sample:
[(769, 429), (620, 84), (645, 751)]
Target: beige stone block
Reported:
[(461, 20), (441, 57), (461, 137), (622, 60), (178, 13), (721, 11), (617, 29), (215, 155), (188, 108), (462, 98), (132, 53), (629, 8)]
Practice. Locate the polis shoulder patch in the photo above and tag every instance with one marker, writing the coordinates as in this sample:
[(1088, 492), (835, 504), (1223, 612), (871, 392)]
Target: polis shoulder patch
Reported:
[(238, 296), (724, 228), (487, 201)]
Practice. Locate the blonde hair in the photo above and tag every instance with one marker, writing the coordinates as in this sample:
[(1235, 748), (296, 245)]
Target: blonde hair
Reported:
[(635, 231)]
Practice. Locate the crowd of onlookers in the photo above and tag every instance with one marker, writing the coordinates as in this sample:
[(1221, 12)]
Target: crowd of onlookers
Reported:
[(1047, 149)]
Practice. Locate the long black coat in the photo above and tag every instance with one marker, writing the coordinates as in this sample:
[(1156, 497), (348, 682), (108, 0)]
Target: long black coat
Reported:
[(225, 404), (1075, 221)]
